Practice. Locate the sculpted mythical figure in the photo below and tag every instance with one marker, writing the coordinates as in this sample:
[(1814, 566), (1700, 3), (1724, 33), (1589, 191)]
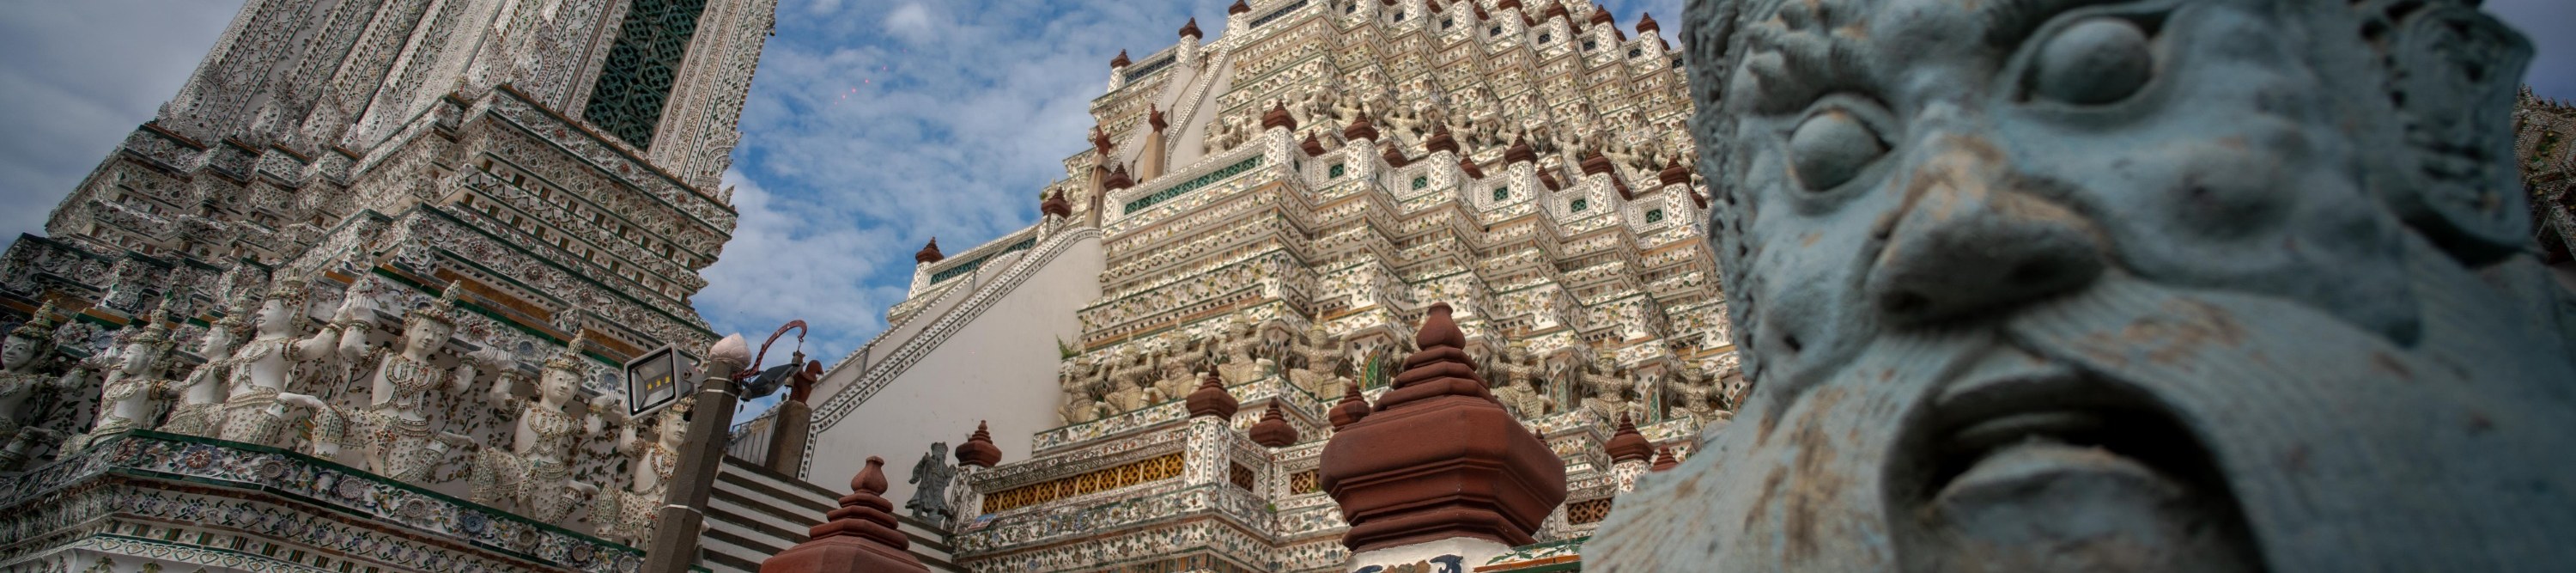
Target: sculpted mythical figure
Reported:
[(1133, 383), (127, 394), (401, 441), (200, 411), (1177, 380), (627, 515), (535, 472), (930, 500), (1519, 391), (1080, 383), (22, 380), (2174, 285), (255, 408), (1695, 393), (1322, 375), (1240, 367), (1606, 391)]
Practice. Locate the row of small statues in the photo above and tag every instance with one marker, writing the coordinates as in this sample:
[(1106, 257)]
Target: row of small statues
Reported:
[(241, 393), (1316, 363)]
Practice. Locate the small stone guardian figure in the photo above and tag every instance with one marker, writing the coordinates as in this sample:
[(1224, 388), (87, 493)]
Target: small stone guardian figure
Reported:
[(627, 516), (535, 472), (21, 379), (1321, 375), (1609, 385), (1177, 363), (402, 442), (126, 395), (255, 411), (200, 411), (1081, 400), (931, 476), (1519, 371), (1696, 394), (1240, 367)]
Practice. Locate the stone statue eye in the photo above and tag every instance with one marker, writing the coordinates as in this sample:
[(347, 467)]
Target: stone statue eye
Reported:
[(1831, 147), (2095, 61)]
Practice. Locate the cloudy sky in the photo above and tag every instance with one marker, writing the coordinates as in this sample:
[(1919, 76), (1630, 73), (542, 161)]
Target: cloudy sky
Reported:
[(873, 125)]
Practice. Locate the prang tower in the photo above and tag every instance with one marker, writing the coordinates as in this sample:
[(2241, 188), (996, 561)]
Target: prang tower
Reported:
[(1277, 207)]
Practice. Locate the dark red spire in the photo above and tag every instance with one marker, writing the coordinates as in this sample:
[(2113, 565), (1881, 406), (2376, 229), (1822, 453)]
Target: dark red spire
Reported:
[(860, 537), (1100, 142), (1352, 408), (1278, 117), (1547, 176), (1274, 429), (1519, 152), (1646, 25), (1120, 61), (929, 253), (1394, 157), (1596, 164), (1469, 166), (1311, 146), (1601, 15), (1440, 140), (1673, 173), (1555, 9), (1191, 29), (1154, 118), (979, 449), (1627, 444), (1237, 8), (1055, 205), (1360, 127), (1118, 179), (1211, 399), (1663, 459), (1440, 459)]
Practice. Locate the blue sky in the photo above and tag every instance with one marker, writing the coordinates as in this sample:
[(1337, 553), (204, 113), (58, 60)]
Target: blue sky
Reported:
[(872, 125)]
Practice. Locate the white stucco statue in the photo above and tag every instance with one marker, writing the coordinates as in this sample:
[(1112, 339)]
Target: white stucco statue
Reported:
[(1609, 388), (627, 516), (200, 411), (21, 380), (401, 440), (256, 410), (126, 395), (534, 473), (1240, 367)]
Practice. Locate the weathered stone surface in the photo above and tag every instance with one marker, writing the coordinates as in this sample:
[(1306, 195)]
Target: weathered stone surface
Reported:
[(2199, 285)]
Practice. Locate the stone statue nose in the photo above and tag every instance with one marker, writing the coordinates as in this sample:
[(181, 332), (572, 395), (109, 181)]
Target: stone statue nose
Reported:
[(1971, 239)]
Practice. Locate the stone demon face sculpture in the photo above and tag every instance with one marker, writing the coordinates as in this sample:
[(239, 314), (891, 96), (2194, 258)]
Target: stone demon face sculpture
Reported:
[(2075, 285)]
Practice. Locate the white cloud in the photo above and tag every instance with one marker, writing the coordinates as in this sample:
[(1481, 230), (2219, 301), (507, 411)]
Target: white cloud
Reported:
[(913, 23)]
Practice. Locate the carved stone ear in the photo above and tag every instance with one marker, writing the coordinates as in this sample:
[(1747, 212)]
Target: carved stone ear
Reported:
[(2453, 74)]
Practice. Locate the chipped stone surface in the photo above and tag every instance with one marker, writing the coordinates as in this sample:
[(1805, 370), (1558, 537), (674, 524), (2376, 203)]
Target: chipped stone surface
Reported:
[(2198, 285)]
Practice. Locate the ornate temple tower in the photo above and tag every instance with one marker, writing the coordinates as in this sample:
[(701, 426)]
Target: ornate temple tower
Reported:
[(1278, 202), (298, 208)]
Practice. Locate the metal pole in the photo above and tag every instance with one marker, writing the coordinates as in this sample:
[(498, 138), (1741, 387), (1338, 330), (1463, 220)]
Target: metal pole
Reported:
[(675, 535)]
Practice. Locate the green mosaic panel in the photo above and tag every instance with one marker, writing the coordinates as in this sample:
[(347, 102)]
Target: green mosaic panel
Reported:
[(1186, 186), (636, 82)]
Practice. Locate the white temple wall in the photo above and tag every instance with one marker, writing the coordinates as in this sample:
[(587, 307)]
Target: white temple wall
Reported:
[(999, 367)]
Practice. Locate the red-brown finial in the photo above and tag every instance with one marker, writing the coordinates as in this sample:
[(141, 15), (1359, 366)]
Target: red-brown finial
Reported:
[(1278, 117), (1440, 459), (1154, 118), (1118, 179), (1520, 152), (1352, 407), (929, 253), (1601, 15), (1311, 146), (1596, 164), (1120, 61), (1664, 459), (1646, 25), (1100, 143), (1394, 157), (859, 537), (1274, 429), (1191, 29), (1211, 399), (1440, 141), (1469, 166), (1055, 205), (1627, 444), (979, 449), (1547, 176), (1237, 8), (1673, 173), (1360, 127)]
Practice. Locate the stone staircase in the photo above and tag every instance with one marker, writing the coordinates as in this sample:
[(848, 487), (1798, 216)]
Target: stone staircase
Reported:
[(754, 513)]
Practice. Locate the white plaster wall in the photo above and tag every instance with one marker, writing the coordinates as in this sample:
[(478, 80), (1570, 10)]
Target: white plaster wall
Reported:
[(999, 367)]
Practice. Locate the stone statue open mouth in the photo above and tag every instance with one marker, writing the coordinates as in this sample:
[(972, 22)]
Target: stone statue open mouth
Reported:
[(2050, 469)]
